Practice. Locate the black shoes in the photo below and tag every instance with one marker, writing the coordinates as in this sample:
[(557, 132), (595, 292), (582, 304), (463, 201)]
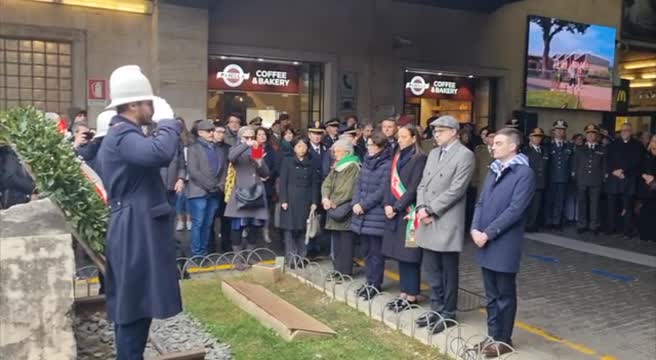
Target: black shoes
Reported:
[(441, 326), (368, 292), (427, 320)]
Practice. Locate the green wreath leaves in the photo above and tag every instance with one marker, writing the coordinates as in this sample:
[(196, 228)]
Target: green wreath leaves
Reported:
[(57, 171)]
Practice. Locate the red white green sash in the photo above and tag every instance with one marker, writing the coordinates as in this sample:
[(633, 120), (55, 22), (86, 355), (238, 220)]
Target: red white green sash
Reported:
[(398, 189)]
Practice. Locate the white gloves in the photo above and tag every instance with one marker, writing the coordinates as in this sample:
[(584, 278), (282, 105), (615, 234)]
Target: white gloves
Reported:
[(162, 110)]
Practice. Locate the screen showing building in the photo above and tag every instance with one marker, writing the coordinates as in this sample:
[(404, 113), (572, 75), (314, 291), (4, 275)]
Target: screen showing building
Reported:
[(569, 65)]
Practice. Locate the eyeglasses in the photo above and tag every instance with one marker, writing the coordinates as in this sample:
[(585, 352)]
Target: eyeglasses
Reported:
[(248, 137), (222, 131)]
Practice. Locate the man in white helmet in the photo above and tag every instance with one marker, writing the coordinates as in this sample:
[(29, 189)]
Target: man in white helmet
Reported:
[(142, 278)]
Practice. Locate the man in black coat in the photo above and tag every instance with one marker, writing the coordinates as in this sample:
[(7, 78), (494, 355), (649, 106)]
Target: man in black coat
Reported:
[(16, 185), (538, 158), (318, 156), (623, 167)]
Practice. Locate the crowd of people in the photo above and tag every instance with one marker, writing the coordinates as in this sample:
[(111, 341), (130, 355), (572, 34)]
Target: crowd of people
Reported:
[(387, 191)]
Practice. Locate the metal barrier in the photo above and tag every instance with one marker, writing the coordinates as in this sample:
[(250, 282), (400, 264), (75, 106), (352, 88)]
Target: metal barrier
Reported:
[(327, 281)]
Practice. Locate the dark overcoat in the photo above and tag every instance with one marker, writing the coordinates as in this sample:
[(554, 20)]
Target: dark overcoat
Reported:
[(369, 193), (626, 156), (142, 276), (299, 188), (394, 238), (500, 213)]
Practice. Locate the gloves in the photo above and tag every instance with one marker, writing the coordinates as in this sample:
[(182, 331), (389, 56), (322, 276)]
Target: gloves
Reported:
[(162, 110)]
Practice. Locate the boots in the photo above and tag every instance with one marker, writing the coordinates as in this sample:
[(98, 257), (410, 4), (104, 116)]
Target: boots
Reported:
[(239, 262)]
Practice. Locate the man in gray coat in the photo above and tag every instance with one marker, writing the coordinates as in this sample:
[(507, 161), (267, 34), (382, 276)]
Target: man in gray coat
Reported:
[(441, 212)]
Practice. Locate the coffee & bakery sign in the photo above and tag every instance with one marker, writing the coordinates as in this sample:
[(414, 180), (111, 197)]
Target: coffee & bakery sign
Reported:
[(438, 87), (253, 76)]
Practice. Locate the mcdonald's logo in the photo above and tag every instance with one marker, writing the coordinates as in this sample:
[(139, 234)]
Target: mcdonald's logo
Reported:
[(621, 96)]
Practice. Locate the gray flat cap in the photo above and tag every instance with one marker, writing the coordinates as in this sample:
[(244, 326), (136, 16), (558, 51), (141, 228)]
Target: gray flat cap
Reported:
[(205, 125), (446, 121)]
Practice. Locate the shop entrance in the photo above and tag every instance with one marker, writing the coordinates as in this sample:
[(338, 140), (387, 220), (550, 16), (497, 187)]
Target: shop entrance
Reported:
[(466, 97), (265, 88)]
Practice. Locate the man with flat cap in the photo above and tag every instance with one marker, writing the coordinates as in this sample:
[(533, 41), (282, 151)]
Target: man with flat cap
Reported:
[(538, 159), (441, 202), (588, 170), (559, 175)]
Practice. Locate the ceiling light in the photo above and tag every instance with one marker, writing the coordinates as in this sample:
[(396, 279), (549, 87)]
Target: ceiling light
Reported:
[(640, 64), (471, 76), (296, 63), (627, 77), (649, 76), (260, 59), (439, 74), (223, 57), (133, 6), (641, 84)]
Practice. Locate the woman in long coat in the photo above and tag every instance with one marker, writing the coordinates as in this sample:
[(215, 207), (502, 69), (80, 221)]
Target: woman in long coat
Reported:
[(299, 194), (336, 194), (368, 214), (408, 163), (249, 171)]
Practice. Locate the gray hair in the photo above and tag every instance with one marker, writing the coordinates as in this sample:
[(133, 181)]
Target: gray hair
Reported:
[(243, 130), (76, 126), (347, 145)]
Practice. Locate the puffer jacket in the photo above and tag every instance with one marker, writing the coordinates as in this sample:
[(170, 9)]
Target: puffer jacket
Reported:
[(369, 192)]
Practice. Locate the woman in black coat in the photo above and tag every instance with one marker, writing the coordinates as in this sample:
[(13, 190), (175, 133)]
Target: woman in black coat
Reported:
[(299, 194), (409, 161), (647, 193)]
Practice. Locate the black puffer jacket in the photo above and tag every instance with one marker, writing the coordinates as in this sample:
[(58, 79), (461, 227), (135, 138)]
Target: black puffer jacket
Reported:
[(370, 193)]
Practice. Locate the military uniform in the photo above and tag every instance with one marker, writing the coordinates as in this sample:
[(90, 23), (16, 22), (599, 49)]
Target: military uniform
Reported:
[(559, 175), (589, 167), (538, 158)]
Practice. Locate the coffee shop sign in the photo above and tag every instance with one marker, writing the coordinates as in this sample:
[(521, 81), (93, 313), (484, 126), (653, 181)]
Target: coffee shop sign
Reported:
[(234, 76), (418, 86)]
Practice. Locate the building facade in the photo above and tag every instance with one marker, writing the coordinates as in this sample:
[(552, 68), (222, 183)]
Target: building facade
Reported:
[(310, 58)]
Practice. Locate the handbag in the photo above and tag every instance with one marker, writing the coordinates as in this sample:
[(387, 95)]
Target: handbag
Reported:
[(341, 212), (313, 226), (251, 197)]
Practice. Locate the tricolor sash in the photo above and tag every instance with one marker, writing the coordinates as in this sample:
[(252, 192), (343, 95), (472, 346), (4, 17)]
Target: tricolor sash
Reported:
[(398, 189)]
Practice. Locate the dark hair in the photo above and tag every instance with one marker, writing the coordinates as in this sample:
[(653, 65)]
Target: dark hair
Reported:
[(490, 130), (379, 139), (302, 139), (185, 136), (352, 116), (237, 115), (514, 135), (266, 132), (289, 130), (414, 132), (577, 135), (120, 109)]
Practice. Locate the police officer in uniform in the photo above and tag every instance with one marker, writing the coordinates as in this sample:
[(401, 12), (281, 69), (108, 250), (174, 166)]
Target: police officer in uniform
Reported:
[(332, 130), (559, 174), (588, 169), (538, 158), (141, 276)]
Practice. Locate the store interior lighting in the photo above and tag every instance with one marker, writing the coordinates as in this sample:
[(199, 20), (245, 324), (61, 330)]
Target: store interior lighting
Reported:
[(627, 77), (642, 84), (649, 76), (640, 64), (131, 6)]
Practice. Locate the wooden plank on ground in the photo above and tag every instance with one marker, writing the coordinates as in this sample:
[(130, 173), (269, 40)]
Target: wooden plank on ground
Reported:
[(274, 312)]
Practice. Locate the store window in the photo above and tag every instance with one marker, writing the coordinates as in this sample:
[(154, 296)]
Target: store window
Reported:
[(467, 98), (265, 88), (35, 72)]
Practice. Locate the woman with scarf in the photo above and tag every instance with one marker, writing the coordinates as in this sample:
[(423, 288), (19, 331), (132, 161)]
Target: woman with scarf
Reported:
[(400, 198), (368, 213), (336, 195), (247, 205)]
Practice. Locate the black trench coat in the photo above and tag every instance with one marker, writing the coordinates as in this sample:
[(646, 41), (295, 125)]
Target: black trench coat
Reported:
[(299, 188), (394, 238)]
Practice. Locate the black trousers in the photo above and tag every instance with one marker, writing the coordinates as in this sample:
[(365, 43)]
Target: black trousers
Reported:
[(442, 276), (373, 259), (625, 207), (534, 209), (131, 339), (501, 294), (251, 240), (647, 225), (410, 277), (555, 203), (588, 206), (343, 247)]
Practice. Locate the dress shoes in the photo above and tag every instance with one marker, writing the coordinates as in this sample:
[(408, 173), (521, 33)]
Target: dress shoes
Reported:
[(496, 350), (427, 320), (441, 326)]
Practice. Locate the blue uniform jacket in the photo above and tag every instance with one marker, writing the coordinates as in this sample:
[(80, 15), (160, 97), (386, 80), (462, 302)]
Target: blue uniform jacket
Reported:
[(142, 276), (500, 213)]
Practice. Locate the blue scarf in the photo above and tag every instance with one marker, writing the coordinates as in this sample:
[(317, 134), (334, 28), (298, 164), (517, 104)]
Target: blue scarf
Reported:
[(518, 160), (212, 156)]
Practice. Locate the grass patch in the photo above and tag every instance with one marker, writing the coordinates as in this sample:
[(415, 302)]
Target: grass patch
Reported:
[(357, 336), (555, 99)]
